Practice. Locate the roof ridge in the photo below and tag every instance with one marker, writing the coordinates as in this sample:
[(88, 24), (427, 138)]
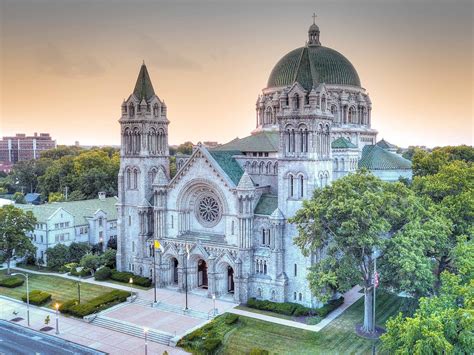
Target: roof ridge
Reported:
[(295, 76)]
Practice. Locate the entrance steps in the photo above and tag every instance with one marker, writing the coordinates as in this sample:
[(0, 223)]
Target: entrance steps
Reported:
[(173, 309), (132, 329)]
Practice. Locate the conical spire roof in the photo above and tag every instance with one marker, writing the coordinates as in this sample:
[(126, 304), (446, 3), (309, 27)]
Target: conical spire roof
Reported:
[(144, 87)]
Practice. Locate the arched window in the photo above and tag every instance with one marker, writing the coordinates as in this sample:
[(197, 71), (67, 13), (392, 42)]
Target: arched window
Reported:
[(264, 267), (131, 110), (155, 110), (268, 115), (269, 168), (336, 165), (301, 186), (296, 100), (261, 167), (343, 165), (254, 167), (129, 179), (296, 270), (292, 185), (294, 296), (263, 237), (135, 179), (352, 115), (306, 99), (275, 169), (268, 237), (323, 103), (300, 296)]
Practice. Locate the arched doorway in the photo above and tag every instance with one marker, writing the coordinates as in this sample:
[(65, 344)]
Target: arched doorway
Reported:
[(230, 279), (174, 270), (202, 274)]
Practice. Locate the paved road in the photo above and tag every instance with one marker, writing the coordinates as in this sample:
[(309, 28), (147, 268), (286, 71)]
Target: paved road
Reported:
[(15, 339)]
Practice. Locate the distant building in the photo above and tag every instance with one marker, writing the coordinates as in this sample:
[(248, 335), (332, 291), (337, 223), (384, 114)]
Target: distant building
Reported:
[(90, 221), (23, 147), (209, 144), (33, 198)]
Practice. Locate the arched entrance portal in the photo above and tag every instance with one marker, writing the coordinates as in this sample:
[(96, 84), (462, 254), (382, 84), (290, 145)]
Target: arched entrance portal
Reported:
[(230, 279), (174, 270), (202, 274)]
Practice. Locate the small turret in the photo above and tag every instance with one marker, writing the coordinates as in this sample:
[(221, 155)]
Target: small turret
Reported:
[(313, 33)]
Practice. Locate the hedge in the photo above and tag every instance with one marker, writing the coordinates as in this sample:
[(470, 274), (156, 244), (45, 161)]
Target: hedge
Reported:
[(37, 297), (231, 318), (83, 273), (94, 305), (122, 276), (294, 309), (12, 282), (103, 273)]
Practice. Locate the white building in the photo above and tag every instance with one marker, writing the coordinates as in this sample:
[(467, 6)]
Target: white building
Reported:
[(90, 221), (222, 219)]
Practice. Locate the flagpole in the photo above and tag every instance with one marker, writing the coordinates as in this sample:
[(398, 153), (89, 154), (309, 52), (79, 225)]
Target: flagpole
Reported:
[(375, 286)]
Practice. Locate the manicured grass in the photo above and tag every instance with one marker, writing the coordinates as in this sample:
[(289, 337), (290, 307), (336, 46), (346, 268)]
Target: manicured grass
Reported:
[(60, 288), (138, 287), (337, 338), (35, 268)]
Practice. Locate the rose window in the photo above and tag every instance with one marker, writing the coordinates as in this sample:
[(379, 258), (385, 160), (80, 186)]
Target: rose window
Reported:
[(208, 210)]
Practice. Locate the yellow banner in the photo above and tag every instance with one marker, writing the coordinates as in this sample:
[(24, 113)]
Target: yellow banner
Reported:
[(157, 244)]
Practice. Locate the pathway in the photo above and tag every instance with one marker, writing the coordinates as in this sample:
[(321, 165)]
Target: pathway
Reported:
[(350, 298), (83, 333)]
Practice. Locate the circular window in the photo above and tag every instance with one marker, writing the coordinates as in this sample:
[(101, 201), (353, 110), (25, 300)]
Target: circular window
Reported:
[(208, 211)]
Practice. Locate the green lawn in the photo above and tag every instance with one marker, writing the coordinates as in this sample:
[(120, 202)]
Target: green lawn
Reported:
[(337, 338), (60, 288), (266, 313)]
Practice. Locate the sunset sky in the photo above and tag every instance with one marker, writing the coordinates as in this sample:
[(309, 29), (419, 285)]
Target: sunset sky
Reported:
[(66, 66)]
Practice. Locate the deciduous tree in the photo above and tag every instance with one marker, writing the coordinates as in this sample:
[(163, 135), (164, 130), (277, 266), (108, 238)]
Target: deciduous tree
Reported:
[(14, 225)]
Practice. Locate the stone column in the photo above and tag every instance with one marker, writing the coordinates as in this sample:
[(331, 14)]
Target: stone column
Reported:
[(211, 277)]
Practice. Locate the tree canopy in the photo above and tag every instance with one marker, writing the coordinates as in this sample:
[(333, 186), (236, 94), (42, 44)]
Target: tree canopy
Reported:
[(14, 225)]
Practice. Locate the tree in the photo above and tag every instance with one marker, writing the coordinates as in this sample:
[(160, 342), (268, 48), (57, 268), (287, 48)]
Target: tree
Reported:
[(14, 225), (450, 189), (429, 163), (108, 258), (77, 251), (90, 261), (56, 197), (186, 148), (345, 222), (443, 324), (76, 196), (19, 198), (57, 256)]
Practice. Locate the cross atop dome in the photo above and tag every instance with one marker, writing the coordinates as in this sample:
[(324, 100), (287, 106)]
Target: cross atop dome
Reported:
[(313, 33)]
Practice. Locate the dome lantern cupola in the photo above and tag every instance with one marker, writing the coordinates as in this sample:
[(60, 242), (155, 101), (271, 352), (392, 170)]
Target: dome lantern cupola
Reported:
[(313, 33)]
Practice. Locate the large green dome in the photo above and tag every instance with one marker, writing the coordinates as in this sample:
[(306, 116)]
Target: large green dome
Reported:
[(311, 66)]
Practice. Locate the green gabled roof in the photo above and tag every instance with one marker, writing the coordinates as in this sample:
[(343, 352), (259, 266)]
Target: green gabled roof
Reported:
[(266, 205), (225, 159), (79, 209), (259, 142), (311, 66), (342, 143), (143, 87), (386, 145), (377, 158)]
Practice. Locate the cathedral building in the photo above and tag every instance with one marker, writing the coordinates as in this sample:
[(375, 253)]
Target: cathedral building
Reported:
[(222, 218)]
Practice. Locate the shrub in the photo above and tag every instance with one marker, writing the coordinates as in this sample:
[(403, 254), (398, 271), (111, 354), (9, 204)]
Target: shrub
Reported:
[(103, 273), (231, 318), (301, 311), (109, 258), (125, 278), (83, 273), (63, 269), (96, 304), (90, 261), (65, 306), (286, 308), (258, 351), (329, 307), (37, 297), (12, 282), (210, 345)]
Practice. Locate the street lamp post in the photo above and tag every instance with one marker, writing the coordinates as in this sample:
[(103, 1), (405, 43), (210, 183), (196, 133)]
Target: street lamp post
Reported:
[(186, 277), (57, 317), (131, 288), (145, 331), (154, 274), (27, 295)]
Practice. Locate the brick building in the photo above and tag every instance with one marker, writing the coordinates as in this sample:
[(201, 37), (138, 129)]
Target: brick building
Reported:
[(23, 147)]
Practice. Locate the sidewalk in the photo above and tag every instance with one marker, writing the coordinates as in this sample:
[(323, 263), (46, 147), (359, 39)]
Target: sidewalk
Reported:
[(83, 333), (350, 298)]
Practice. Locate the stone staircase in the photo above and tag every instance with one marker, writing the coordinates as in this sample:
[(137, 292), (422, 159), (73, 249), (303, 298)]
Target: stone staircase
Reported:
[(132, 329), (174, 309)]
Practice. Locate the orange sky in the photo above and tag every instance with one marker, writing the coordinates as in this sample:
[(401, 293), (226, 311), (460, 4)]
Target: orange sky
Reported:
[(66, 66)]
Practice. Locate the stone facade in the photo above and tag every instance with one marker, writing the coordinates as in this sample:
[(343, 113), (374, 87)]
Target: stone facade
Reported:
[(222, 219)]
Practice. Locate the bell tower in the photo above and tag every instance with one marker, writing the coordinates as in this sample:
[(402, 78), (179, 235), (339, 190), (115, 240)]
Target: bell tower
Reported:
[(143, 154)]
